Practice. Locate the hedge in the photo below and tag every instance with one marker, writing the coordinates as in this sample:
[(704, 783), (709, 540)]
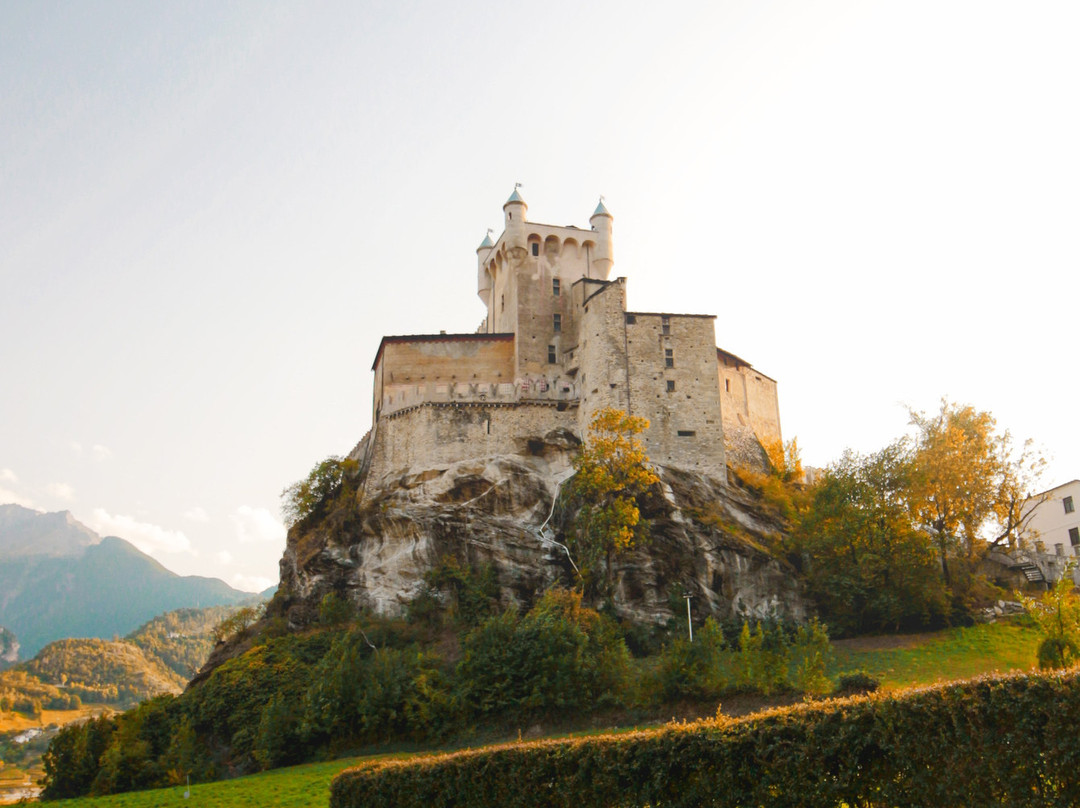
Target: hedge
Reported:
[(1011, 740)]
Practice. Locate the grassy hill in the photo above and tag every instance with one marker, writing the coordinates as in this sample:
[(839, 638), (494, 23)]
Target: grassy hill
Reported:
[(73, 679), (901, 661), (181, 639)]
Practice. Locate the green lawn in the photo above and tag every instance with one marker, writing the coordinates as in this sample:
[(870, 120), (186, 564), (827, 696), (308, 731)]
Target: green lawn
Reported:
[(897, 662), (959, 653), (295, 787)]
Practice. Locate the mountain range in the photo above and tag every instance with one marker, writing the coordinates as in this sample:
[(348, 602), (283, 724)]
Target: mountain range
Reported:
[(58, 579)]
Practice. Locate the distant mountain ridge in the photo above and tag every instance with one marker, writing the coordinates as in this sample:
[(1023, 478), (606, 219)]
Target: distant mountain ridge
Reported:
[(59, 579), (27, 532)]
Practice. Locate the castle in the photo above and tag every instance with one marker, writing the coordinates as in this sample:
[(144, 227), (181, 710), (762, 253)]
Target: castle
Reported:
[(557, 345)]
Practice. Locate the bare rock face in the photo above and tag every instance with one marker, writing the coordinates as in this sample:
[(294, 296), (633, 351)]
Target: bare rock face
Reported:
[(706, 539)]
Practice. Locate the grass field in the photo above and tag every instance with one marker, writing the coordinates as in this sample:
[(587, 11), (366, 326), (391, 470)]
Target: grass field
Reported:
[(960, 653), (899, 661)]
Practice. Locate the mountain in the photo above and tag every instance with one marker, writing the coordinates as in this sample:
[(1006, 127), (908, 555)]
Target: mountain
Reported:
[(59, 579), (25, 532)]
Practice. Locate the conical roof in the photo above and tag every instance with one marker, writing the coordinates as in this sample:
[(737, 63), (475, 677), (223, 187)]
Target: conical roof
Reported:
[(601, 210), (514, 197), (487, 243)]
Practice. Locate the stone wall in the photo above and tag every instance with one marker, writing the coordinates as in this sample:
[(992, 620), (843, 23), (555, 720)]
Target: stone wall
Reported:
[(404, 363), (601, 349), (748, 398), (672, 370), (434, 435)]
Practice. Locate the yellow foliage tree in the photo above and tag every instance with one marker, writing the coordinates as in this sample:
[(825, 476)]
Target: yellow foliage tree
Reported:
[(612, 472), (968, 483)]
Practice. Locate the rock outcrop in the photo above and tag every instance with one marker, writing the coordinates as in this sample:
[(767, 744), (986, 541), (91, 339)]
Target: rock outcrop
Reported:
[(707, 540)]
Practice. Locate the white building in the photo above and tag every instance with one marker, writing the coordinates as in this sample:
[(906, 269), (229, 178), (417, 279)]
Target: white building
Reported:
[(1055, 520)]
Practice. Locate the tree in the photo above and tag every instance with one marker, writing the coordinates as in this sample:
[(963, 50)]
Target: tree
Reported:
[(612, 472), (1057, 614), (326, 480), (864, 562), (968, 484)]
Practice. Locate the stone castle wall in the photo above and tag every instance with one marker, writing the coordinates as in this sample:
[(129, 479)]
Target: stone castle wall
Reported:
[(677, 391), (434, 435)]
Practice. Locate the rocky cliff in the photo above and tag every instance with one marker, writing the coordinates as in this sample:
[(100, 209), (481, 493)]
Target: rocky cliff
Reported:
[(708, 540)]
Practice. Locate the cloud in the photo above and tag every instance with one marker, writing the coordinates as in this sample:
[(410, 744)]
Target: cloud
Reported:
[(76, 447), (8, 476), (61, 490), (197, 514), (101, 452), (250, 583), (147, 537), (223, 557), (8, 497), (257, 525)]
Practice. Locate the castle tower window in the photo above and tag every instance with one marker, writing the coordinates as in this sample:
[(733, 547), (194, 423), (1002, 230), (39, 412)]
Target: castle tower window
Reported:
[(551, 355), (556, 322), (671, 385), (631, 319), (555, 287), (502, 302), (685, 433), (669, 358), (665, 325), (535, 248), (727, 385)]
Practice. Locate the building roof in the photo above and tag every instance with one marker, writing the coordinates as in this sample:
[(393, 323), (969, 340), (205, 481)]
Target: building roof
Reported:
[(438, 338), (1051, 490), (514, 197), (742, 362), (601, 210), (486, 243)]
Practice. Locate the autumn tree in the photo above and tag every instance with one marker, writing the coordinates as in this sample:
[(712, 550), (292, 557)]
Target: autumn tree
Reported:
[(968, 484), (612, 471)]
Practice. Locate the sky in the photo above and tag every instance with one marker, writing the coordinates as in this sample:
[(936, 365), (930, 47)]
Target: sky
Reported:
[(211, 212)]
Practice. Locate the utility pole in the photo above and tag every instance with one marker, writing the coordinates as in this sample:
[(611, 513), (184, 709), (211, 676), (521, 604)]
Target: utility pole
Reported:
[(689, 625)]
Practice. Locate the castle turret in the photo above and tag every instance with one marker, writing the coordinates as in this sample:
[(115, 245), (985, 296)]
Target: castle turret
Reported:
[(483, 277), (605, 254), (514, 232)]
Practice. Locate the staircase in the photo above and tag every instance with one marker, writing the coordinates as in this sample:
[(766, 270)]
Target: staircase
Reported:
[(1031, 571)]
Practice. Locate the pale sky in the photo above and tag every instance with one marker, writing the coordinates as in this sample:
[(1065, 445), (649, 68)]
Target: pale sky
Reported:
[(211, 212)]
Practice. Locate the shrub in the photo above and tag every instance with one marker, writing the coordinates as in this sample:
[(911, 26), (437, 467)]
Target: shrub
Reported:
[(994, 741), (560, 656), (699, 669), (811, 654), (856, 683)]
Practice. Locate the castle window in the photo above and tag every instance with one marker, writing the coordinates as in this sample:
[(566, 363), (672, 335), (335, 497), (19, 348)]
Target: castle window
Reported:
[(727, 385), (556, 321), (551, 355), (631, 319), (555, 286), (685, 433), (502, 302), (671, 385), (1068, 503), (665, 325), (1074, 535), (669, 358), (535, 248)]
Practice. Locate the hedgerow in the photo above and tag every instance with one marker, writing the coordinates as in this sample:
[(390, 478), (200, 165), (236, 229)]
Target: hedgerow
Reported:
[(993, 741)]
